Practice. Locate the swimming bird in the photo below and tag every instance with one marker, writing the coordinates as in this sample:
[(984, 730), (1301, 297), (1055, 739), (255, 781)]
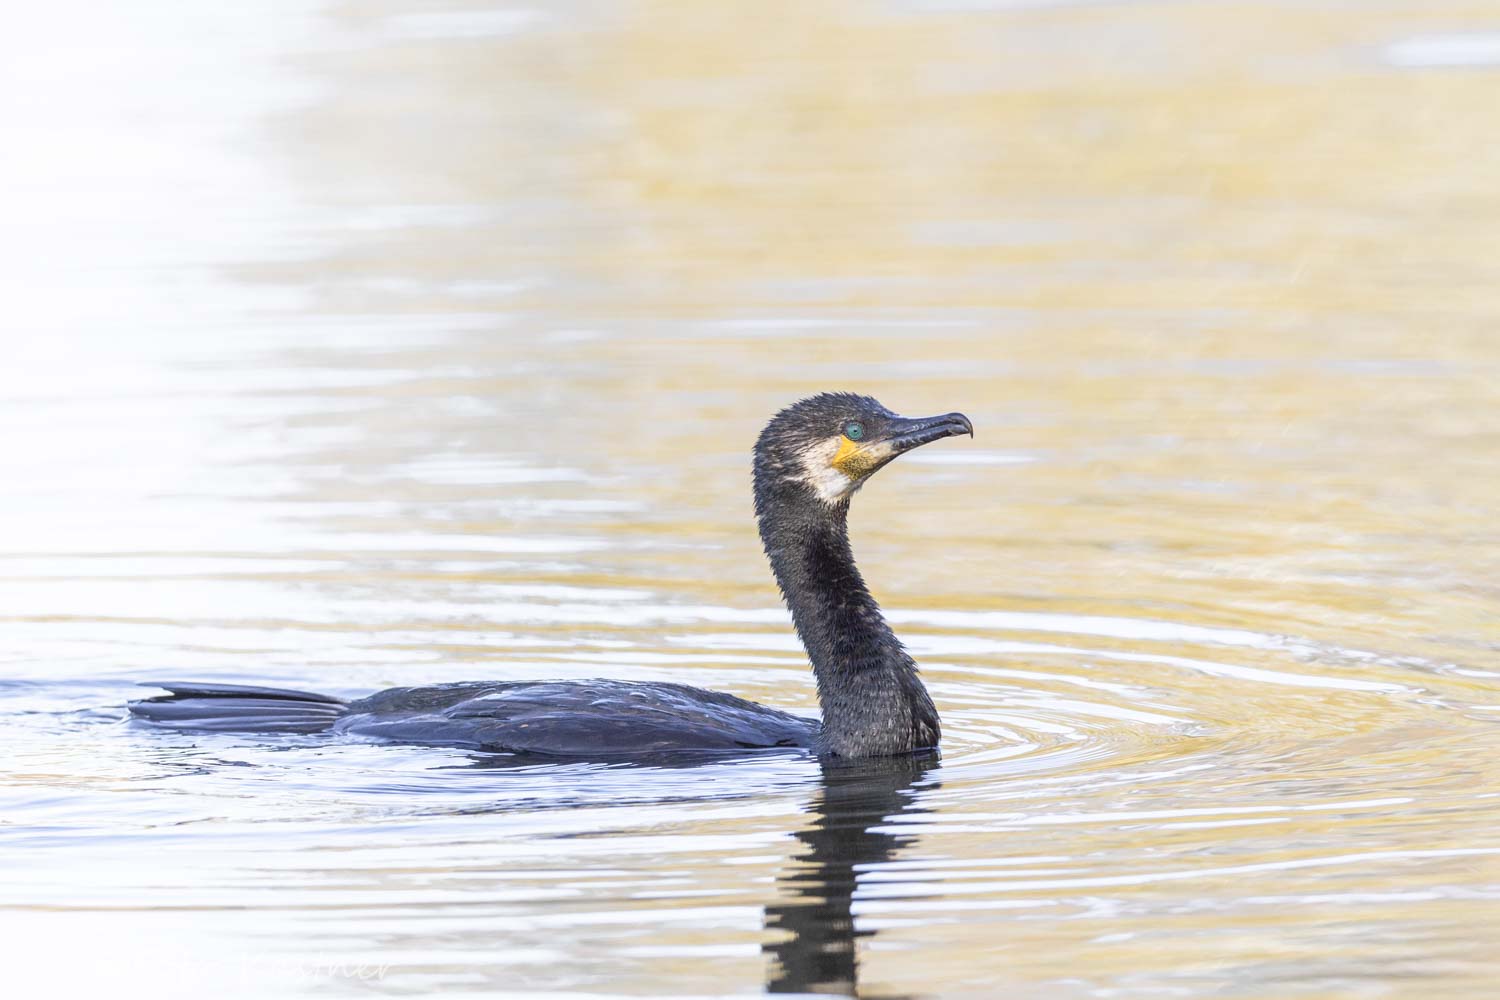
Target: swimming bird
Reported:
[(809, 461)]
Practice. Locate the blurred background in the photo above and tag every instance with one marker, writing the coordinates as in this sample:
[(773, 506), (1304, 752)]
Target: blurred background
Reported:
[(349, 345)]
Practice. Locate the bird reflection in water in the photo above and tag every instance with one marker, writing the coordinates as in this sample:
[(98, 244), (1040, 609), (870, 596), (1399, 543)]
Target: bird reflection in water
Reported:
[(816, 947)]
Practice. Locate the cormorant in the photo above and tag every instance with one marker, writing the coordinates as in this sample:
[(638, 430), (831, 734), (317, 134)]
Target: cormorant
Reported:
[(809, 461)]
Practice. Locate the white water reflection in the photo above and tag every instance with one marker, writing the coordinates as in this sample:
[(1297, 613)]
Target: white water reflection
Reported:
[(1475, 49)]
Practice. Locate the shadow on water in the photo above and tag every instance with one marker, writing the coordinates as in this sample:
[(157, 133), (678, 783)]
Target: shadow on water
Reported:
[(845, 834)]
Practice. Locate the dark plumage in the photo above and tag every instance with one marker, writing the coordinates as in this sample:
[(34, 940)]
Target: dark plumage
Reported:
[(809, 461)]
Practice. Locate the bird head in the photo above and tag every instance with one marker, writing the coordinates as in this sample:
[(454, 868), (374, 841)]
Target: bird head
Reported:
[(831, 443)]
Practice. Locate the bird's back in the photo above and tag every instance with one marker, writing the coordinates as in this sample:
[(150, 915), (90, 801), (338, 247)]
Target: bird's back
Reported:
[(570, 718), (574, 718)]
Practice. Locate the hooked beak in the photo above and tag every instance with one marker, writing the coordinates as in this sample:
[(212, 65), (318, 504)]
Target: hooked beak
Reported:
[(903, 434), (857, 462)]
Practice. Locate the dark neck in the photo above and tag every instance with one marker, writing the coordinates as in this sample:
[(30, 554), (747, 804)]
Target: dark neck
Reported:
[(873, 702)]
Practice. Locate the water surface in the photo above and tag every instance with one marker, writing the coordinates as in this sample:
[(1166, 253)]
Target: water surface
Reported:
[(360, 345)]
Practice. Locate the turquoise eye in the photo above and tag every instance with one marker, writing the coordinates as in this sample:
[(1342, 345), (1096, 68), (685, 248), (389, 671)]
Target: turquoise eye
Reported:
[(854, 430)]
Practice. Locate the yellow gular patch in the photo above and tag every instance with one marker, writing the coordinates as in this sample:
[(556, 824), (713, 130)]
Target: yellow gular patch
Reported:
[(845, 458), (857, 460)]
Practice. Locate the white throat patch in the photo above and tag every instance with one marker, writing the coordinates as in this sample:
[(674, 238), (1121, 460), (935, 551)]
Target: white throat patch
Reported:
[(818, 471)]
